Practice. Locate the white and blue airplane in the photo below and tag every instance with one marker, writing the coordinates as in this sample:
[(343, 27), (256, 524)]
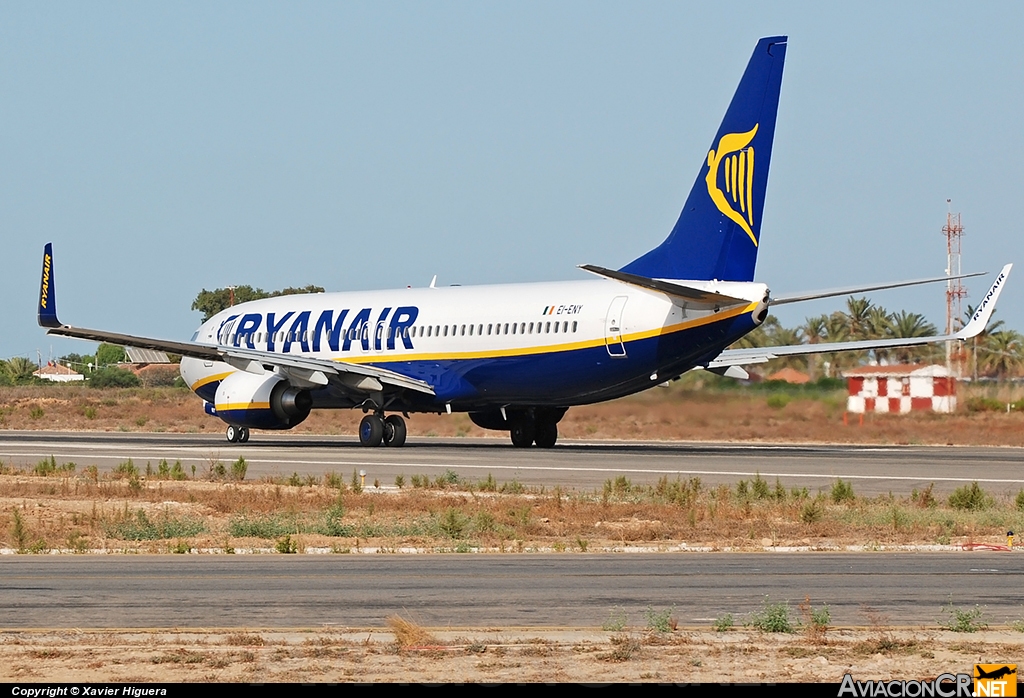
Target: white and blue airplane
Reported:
[(517, 356)]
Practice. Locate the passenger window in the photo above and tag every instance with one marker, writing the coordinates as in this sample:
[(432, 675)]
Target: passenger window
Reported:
[(506, 328), (556, 328), (547, 328), (470, 330), (574, 326), (531, 328), (513, 328), (463, 332)]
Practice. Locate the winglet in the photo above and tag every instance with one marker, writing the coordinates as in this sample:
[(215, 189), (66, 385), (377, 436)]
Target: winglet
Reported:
[(986, 307), (47, 302)]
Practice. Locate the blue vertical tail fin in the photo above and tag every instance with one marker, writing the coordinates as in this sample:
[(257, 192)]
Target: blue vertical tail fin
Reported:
[(718, 231)]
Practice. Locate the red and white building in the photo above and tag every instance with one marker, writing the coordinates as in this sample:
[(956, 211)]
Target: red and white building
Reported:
[(900, 388)]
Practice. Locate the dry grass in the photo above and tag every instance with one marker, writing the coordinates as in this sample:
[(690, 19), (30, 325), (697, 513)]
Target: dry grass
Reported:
[(90, 511), (409, 635)]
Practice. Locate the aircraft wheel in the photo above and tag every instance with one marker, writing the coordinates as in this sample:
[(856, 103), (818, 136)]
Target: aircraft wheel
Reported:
[(234, 433), (245, 435), (522, 433), (394, 431), (546, 433), (371, 430)]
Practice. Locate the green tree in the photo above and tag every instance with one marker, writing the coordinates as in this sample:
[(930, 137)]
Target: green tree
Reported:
[(209, 303), (978, 342), (837, 329), (18, 371), (113, 377), (107, 354), (858, 315), (812, 332), (906, 326), (1001, 354)]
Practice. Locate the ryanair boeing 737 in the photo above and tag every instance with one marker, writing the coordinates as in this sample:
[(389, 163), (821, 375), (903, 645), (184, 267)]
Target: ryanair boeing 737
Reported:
[(516, 357)]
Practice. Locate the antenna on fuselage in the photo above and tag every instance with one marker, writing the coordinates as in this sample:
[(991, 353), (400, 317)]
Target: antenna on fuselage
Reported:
[(433, 281)]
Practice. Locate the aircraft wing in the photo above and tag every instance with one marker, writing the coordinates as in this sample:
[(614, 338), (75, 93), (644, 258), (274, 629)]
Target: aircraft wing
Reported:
[(742, 357), (832, 292), (302, 369)]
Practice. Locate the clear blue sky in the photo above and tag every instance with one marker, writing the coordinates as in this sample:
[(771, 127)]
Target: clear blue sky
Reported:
[(168, 147)]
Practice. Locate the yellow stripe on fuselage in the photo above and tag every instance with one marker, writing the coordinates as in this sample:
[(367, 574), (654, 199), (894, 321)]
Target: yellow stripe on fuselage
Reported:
[(551, 348)]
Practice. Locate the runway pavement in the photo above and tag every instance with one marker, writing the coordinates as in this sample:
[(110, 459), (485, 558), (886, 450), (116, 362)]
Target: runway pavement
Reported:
[(572, 464), (496, 591)]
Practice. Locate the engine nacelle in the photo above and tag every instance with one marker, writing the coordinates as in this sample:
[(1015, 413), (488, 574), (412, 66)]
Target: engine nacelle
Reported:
[(262, 402)]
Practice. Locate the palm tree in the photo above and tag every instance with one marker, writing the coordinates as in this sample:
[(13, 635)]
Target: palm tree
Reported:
[(19, 370), (879, 324), (837, 329), (981, 336), (907, 326), (857, 317), (812, 332), (1002, 354)]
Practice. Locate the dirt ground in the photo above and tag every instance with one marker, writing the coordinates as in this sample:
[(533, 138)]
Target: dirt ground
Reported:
[(498, 655), (679, 412), (79, 520)]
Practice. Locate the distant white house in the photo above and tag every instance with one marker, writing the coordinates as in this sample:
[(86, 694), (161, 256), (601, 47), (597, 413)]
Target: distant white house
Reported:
[(58, 373)]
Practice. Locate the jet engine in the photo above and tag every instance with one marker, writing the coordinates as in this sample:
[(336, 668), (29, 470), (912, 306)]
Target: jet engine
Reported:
[(262, 402)]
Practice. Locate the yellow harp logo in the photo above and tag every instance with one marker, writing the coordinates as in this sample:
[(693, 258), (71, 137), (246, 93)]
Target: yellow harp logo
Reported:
[(736, 161)]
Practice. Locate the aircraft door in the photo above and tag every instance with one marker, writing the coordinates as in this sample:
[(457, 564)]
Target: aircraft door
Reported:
[(613, 328)]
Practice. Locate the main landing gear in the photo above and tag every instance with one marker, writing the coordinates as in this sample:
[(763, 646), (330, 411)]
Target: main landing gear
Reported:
[(238, 435), (375, 430), (526, 432)]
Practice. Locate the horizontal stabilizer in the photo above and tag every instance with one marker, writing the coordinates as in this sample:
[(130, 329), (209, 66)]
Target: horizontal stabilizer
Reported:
[(832, 292), (694, 295)]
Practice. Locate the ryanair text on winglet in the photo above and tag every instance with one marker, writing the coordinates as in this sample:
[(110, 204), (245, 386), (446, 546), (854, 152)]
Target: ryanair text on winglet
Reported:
[(988, 296)]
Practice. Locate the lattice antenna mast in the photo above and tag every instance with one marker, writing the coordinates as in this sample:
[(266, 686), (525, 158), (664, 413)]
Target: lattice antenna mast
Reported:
[(955, 290)]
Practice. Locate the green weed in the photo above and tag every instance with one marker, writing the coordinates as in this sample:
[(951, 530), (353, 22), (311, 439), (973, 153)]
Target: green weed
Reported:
[(616, 620), (239, 468), (772, 618), (970, 498), (842, 492), (963, 620), (661, 621), (286, 546), (724, 623)]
